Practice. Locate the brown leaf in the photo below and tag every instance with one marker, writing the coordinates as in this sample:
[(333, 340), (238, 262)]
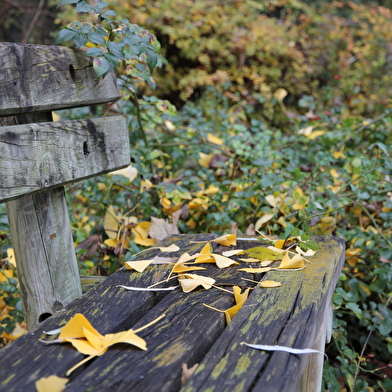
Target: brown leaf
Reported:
[(160, 229), (91, 244)]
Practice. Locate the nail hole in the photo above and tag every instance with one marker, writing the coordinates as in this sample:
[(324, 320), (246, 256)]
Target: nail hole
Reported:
[(72, 72), (86, 151), (43, 317)]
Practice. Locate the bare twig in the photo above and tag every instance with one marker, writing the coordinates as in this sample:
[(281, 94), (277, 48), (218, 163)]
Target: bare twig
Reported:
[(33, 21)]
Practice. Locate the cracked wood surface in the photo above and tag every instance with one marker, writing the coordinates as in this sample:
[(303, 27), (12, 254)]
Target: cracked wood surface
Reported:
[(290, 315), (45, 155), (36, 78)]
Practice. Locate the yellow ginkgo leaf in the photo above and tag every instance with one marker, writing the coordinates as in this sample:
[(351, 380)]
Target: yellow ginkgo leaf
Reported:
[(308, 253), (112, 242), (226, 240), (250, 260), (129, 172), (255, 270), (171, 248), (181, 268), (214, 139), (269, 284), (141, 234), (87, 340), (205, 159), (138, 265), (272, 200), (233, 252), (239, 298), (222, 261), (189, 282), (296, 262), (51, 384), (111, 223)]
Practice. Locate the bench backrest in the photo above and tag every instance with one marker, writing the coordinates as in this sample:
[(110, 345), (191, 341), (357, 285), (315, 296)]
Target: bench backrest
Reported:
[(37, 157)]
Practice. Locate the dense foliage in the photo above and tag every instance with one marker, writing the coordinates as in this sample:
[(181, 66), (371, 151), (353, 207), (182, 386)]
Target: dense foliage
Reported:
[(274, 130)]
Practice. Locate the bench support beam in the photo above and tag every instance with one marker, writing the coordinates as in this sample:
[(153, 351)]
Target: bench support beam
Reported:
[(44, 250)]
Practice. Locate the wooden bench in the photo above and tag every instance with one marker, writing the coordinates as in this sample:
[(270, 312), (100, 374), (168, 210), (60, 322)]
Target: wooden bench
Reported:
[(296, 314), (37, 157)]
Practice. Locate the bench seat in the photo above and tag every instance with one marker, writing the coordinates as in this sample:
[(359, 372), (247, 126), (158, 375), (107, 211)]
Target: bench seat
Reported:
[(296, 314)]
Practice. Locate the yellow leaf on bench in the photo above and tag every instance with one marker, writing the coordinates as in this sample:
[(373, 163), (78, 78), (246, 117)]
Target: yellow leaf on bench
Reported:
[(189, 282), (296, 262), (226, 240), (269, 284), (51, 384)]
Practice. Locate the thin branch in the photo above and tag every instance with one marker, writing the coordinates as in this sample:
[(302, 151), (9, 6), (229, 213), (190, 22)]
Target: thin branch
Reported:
[(34, 21)]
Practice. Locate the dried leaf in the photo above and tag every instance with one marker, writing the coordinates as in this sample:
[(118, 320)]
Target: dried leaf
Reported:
[(296, 262), (226, 240), (138, 265), (51, 384), (239, 298), (222, 261), (255, 270), (171, 248), (141, 234), (160, 229), (214, 139), (308, 253), (181, 268), (129, 172), (233, 252), (251, 260), (129, 288), (111, 223), (187, 373), (264, 219), (290, 350), (269, 284), (190, 281)]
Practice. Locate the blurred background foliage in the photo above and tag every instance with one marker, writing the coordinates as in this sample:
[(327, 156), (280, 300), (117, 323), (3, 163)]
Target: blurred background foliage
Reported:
[(256, 102)]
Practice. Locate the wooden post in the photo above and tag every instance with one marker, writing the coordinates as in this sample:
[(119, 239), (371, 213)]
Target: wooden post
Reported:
[(37, 159), (43, 245)]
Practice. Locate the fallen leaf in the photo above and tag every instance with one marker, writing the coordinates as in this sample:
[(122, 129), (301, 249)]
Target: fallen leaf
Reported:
[(264, 219), (233, 252), (51, 384), (296, 262), (189, 282), (171, 248), (262, 253), (160, 229), (226, 240), (309, 252), (141, 234), (130, 288), (181, 268), (239, 298), (138, 265), (222, 261), (111, 223), (290, 350), (205, 159), (112, 242), (187, 373), (214, 139), (269, 284), (255, 270), (129, 172)]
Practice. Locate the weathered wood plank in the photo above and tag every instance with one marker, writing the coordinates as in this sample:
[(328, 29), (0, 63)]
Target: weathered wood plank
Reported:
[(43, 78), (44, 155), (42, 241), (290, 315), (109, 308)]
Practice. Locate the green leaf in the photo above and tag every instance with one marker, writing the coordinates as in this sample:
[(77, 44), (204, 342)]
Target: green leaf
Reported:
[(262, 253), (64, 35), (65, 2), (102, 66), (82, 6), (152, 60), (94, 52), (96, 38), (288, 200)]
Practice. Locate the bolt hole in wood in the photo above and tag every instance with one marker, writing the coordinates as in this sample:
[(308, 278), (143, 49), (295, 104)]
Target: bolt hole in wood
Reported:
[(72, 72), (86, 151), (43, 317)]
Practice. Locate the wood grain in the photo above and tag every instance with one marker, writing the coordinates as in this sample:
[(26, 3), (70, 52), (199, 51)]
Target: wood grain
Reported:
[(45, 155), (36, 78)]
